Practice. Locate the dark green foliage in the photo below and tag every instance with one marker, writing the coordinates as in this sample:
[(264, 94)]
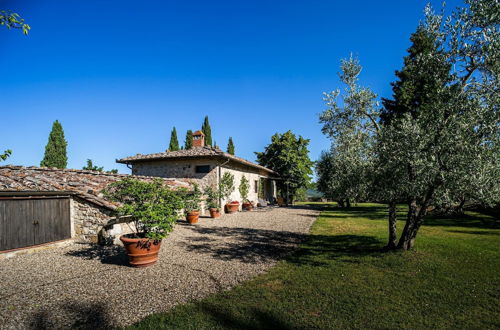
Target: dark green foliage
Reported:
[(13, 21), (113, 171), (207, 130), (230, 146), (91, 167), (423, 76), (213, 196), (188, 142), (450, 282), (55, 150), (174, 142), (226, 185), (244, 188), (152, 205), (191, 199), (289, 157), (5, 154)]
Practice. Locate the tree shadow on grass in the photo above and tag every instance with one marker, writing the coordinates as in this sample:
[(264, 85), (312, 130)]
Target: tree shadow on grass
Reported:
[(259, 245), (114, 255), (318, 250), (72, 315), (258, 319)]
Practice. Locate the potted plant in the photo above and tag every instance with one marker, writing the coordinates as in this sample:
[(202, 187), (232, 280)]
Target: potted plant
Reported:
[(244, 189), (153, 208), (212, 200), (192, 204), (226, 187)]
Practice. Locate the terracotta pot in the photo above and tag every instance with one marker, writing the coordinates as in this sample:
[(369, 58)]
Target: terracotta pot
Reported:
[(192, 217), (232, 208), (247, 206), (214, 213), (142, 252)]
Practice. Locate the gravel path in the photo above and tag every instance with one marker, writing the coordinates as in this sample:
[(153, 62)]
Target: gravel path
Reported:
[(81, 286)]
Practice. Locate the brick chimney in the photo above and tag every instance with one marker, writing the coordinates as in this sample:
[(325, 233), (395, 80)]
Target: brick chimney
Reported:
[(198, 139)]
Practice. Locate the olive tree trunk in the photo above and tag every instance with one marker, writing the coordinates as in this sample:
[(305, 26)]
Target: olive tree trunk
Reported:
[(391, 244)]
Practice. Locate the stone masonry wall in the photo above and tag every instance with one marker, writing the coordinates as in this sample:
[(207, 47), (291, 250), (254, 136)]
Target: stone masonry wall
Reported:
[(88, 219), (185, 169), (181, 169)]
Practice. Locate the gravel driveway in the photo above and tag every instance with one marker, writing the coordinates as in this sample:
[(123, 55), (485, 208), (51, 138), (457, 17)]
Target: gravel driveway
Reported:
[(81, 286)]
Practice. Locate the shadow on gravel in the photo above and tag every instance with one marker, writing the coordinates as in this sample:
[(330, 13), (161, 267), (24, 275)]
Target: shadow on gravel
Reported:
[(244, 244), (82, 316), (114, 255)]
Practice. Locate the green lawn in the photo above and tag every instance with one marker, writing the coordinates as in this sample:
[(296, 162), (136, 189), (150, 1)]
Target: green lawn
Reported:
[(340, 279)]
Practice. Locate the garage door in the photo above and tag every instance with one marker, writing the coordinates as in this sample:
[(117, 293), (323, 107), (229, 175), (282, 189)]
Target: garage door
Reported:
[(27, 222)]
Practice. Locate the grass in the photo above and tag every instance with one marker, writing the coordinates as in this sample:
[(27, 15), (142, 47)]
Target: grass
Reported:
[(340, 278)]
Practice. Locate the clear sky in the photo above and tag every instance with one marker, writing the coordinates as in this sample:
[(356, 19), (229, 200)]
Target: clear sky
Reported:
[(119, 75)]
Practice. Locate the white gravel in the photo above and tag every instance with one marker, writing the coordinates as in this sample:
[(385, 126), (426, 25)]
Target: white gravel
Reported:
[(81, 286)]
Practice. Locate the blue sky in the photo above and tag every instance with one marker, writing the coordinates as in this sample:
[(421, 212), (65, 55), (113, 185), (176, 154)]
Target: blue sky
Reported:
[(119, 75)]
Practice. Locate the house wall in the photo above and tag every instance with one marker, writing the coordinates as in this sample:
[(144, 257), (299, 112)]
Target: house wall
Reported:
[(185, 169), (88, 219)]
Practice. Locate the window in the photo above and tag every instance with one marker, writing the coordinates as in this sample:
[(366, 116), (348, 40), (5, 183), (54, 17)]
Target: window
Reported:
[(202, 168), (256, 186)]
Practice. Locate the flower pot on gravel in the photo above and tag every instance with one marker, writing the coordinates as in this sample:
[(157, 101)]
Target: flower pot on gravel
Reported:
[(232, 207), (142, 252), (247, 206), (192, 216), (153, 209), (214, 213)]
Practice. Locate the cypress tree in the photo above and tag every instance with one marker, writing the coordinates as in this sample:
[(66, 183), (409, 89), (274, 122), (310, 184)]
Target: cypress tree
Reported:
[(230, 146), (55, 150), (417, 84), (188, 143), (174, 142), (207, 130)]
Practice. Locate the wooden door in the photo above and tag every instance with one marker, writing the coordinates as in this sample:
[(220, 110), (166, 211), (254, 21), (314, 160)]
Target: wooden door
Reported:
[(27, 222)]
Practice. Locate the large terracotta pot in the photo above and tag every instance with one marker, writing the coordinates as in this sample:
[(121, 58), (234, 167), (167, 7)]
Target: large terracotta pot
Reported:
[(214, 213), (192, 217), (232, 207), (142, 252), (247, 206)]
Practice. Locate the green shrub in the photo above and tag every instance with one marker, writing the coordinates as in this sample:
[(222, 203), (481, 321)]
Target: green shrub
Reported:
[(152, 205)]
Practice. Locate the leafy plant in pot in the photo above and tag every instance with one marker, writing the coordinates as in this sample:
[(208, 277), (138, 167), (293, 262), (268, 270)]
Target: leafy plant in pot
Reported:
[(153, 208), (244, 188), (226, 187), (212, 200), (192, 201)]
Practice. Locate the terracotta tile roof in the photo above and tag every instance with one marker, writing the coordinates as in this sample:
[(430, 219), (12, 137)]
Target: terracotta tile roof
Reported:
[(196, 152), (85, 184)]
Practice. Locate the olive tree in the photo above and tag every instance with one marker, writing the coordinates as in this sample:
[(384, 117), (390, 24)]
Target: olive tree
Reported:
[(440, 141), (351, 122)]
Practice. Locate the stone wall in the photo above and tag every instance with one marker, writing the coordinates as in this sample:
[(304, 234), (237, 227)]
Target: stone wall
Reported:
[(87, 221), (186, 169), (179, 169)]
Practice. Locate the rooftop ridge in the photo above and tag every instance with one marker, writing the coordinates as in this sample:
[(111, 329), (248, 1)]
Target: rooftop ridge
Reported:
[(77, 171)]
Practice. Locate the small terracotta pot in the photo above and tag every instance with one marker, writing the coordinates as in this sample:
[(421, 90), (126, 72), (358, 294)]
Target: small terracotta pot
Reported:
[(142, 252), (214, 213), (192, 217), (247, 206), (232, 208)]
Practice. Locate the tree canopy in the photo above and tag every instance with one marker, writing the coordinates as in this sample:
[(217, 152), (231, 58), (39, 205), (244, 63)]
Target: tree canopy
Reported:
[(188, 142), (207, 130), (230, 146), (289, 157), (174, 142), (13, 21), (55, 150)]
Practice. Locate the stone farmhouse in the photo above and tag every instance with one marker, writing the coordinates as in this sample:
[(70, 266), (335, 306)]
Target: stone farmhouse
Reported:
[(45, 205), (205, 166)]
